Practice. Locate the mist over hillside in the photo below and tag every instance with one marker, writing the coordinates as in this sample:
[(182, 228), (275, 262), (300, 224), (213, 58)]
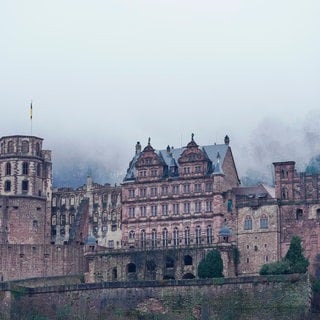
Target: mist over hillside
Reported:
[(272, 140)]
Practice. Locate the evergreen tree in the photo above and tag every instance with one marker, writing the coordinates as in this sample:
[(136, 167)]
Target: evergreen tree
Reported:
[(211, 266), (298, 262)]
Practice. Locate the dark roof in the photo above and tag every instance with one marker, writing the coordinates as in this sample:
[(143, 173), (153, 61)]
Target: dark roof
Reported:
[(258, 191)]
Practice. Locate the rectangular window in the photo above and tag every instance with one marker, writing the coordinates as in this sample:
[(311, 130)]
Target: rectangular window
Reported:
[(186, 188), (114, 227), (154, 173), (175, 189), (164, 190), (25, 186), (209, 187), (229, 205), (143, 192), (176, 208), (143, 211), (209, 206), (197, 187), (165, 209), (111, 244), (198, 169), (131, 193), (131, 212), (186, 207), (153, 211), (186, 170), (197, 206), (153, 192)]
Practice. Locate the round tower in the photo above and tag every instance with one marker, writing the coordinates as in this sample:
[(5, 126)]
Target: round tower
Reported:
[(25, 190)]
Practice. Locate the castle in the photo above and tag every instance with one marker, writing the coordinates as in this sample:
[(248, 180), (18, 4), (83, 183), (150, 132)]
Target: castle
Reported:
[(171, 208)]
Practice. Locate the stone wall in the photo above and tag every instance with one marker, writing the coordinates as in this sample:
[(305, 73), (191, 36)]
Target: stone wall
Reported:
[(28, 261), (282, 297)]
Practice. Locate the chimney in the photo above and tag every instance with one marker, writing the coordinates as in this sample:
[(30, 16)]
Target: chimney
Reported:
[(138, 147), (226, 140)]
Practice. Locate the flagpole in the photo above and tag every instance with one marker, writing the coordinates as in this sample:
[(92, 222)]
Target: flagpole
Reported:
[(31, 117)]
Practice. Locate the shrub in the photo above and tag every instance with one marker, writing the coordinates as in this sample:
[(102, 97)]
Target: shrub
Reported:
[(211, 266)]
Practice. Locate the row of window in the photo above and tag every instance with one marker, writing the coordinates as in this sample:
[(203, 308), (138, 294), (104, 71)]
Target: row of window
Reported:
[(24, 168), (175, 208), (166, 190), (185, 170), (264, 222), (25, 147), (176, 237), (24, 186)]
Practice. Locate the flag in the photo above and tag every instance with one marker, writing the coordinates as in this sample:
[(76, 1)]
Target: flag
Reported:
[(31, 111)]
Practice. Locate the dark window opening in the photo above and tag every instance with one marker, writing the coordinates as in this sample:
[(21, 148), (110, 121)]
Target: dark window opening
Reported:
[(299, 214), (187, 260), (114, 273), (151, 266), (169, 262), (168, 277), (25, 168), (7, 186), (131, 268), (188, 276), (25, 186), (8, 168)]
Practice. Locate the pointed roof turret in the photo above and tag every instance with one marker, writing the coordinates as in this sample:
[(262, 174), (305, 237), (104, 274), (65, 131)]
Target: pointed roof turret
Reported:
[(148, 147), (192, 143)]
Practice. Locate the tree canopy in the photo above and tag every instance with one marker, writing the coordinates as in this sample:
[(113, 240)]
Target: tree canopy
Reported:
[(211, 266)]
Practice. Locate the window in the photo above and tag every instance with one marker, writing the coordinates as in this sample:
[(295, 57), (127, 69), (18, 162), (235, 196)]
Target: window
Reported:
[(209, 234), (10, 147), (143, 238), (186, 170), (198, 235), (175, 189), (197, 187), (63, 201), (114, 227), (175, 237), (25, 185), (165, 237), (187, 236), (264, 222), (7, 186), (131, 193), (143, 211), (318, 214), (187, 260), (54, 220), (186, 207), (111, 245), (197, 206), (284, 193), (299, 214), (25, 147), (186, 188), (62, 219), (165, 209), (72, 201), (197, 169), (164, 190), (208, 206), (154, 173), (37, 149), (153, 210), (143, 192), (8, 168), (71, 219), (154, 238), (248, 223), (209, 187), (229, 205), (25, 168), (153, 192), (131, 212), (142, 173), (169, 262), (176, 208), (35, 223), (54, 201), (131, 235), (131, 268)]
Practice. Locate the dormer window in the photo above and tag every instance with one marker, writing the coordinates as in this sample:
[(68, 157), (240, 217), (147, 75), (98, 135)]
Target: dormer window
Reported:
[(186, 170), (154, 173)]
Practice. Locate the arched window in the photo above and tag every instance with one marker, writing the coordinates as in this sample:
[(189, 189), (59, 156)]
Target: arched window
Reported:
[(25, 147), (248, 223), (72, 201), (131, 234), (264, 223), (143, 238), (198, 235), (54, 220), (54, 201), (131, 268), (10, 147), (7, 186), (8, 168), (209, 234), (187, 236), (154, 238), (284, 193), (25, 168), (299, 214), (187, 260), (71, 219), (165, 237), (175, 237)]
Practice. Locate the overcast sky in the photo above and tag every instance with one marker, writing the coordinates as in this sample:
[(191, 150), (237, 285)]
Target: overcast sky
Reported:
[(105, 74)]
